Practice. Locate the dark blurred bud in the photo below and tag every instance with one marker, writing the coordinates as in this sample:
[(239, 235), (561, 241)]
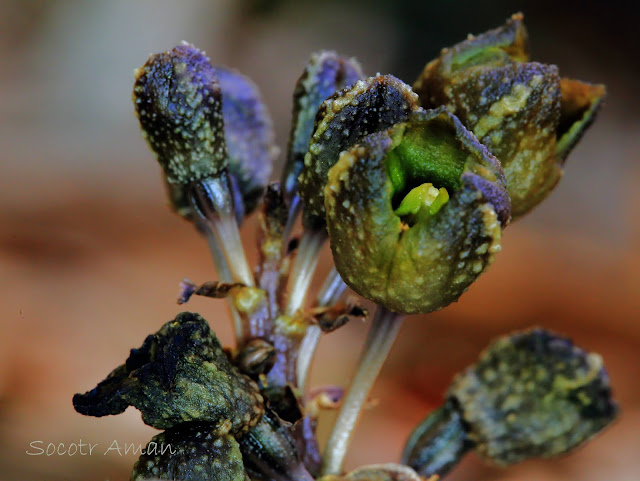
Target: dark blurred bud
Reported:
[(179, 374), (270, 453), (256, 357), (533, 394), (325, 73), (368, 106), (191, 452), (522, 111), (378, 472), (179, 104), (438, 443), (415, 214), (249, 135)]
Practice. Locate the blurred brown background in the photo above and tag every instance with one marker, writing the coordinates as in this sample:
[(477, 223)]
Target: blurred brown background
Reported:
[(90, 256)]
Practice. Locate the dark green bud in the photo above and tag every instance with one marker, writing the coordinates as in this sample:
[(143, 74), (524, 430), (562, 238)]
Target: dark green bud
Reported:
[(325, 73), (369, 106), (179, 374), (533, 394), (178, 101), (415, 214), (526, 115), (191, 452), (249, 135), (270, 452), (438, 443)]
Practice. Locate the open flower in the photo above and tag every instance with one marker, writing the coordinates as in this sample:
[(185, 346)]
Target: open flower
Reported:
[(415, 213), (527, 115), (179, 374), (531, 394)]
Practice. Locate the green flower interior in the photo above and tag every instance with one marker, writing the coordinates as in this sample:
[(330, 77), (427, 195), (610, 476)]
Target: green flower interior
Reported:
[(424, 166)]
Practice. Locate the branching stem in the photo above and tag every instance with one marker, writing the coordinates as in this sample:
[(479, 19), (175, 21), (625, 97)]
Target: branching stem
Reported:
[(303, 268), (330, 293)]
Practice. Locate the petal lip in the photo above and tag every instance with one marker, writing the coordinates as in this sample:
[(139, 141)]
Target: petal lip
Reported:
[(369, 106), (580, 103)]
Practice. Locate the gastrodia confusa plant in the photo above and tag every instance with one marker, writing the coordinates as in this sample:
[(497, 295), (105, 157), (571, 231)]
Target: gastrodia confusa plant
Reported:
[(409, 190)]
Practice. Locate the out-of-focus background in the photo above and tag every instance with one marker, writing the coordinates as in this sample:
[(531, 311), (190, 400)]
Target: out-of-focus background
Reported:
[(90, 256)]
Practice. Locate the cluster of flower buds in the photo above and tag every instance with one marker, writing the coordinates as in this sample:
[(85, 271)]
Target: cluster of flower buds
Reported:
[(413, 189)]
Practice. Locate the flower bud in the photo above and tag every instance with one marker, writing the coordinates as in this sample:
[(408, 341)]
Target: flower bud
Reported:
[(526, 115), (325, 73), (438, 443), (249, 135), (178, 101), (269, 451), (369, 106), (533, 394), (179, 374), (191, 451), (415, 213)]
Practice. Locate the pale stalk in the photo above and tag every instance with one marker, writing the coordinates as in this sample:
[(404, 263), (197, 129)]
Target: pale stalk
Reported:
[(304, 266), (212, 200), (224, 274), (384, 330), (329, 294)]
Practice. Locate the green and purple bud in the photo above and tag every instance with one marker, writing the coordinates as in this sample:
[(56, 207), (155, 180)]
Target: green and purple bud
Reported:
[(526, 115), (178, 101), (325, 73), (249, 136), (203, 122)]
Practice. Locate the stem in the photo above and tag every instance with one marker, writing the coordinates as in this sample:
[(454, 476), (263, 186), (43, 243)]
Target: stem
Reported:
[(212, 200), (294, 210), (224, 273), (332, 289), (303, 268), (307, 352), (329, 294), (383, 332)]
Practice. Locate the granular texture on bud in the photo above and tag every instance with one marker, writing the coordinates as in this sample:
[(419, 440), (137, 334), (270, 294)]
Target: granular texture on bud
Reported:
[(179, 105), (179, 374), (533, 394), (191, 452), (325, 73), (415, 214), (369, 106), (526, 115)]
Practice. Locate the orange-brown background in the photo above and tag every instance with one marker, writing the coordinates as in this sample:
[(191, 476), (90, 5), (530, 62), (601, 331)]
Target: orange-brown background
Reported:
[(90, 256)]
